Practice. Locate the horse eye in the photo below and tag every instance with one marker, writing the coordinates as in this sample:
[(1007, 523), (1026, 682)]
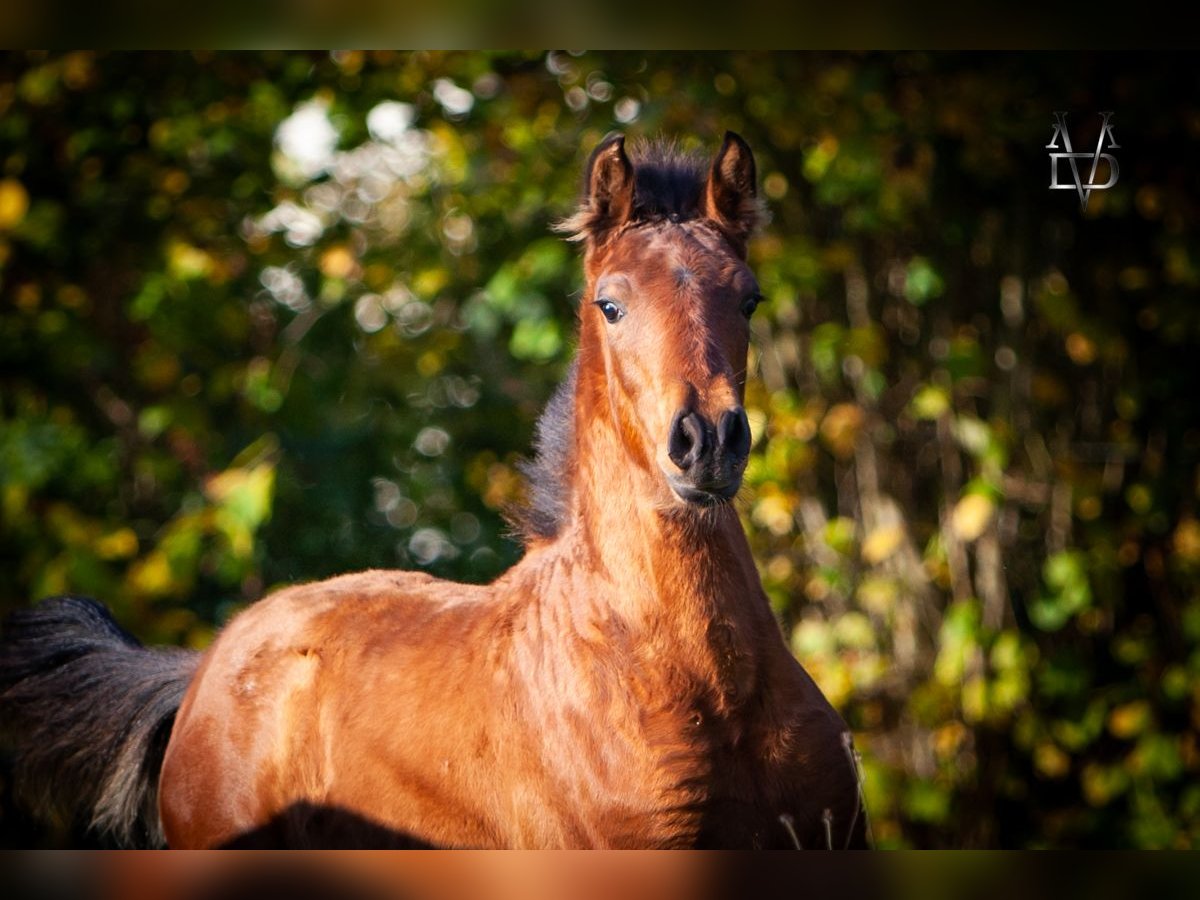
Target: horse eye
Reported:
[(612, 311), (750, 304)]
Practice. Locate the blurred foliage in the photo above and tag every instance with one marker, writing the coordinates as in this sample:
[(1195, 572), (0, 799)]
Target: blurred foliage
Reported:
[(272, 317)]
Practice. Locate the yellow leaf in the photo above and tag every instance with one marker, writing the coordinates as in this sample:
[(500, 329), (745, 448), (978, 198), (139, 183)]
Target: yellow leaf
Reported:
[(811, 638), (758, 423), (1187, 540), (836, 683), (338, 262), (428, 282), (949, 739), (1129, 719), (840, 428), (152, 576), (817, 588), (882, 543), (14, 500), (877, 595), (430, 363), (774, 513), (854, 630), (1051, 761), (1081, 348), (930, 402), (780, 568), (502, 486), (14, 203), (119, 544), (218, 488), (971, 516), (244, 494), (1100, 784), (175, 182), (186, 262), (974, 698)]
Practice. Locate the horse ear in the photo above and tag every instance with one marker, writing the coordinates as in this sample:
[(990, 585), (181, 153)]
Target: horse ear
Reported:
[(609, 186), (730, 196)]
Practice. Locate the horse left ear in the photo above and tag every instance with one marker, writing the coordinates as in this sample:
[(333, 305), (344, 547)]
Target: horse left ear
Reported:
[(608, 194), (731, 195)]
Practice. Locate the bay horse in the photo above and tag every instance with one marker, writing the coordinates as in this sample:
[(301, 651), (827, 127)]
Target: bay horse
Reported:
[(626, 684)]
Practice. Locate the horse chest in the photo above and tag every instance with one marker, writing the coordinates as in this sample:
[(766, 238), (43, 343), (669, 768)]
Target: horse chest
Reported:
[(699, 793), (652, 782), (685, 778), (656, 800)]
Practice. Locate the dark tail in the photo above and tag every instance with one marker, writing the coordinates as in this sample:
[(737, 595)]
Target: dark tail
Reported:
[(87, 711)]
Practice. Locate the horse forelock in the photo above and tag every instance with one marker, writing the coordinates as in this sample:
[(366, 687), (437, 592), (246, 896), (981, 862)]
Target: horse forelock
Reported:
[(669, 185)]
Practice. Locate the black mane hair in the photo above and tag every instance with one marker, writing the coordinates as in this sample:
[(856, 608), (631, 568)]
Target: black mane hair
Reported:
[(547, 499)]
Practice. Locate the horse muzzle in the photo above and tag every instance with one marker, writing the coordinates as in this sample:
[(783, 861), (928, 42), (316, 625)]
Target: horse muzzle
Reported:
[(710, 459)]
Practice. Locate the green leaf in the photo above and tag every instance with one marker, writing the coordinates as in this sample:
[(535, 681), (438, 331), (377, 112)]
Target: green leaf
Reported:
[(922, 281)]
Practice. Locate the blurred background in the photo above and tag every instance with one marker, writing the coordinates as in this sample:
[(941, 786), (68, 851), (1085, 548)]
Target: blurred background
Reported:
[(268, 318)]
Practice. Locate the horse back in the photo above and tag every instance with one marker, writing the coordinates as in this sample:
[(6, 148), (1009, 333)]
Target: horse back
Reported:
[(298, 684)]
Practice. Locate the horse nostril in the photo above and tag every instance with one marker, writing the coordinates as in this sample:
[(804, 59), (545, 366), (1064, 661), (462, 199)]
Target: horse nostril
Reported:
[(686, 442), (733, 433)]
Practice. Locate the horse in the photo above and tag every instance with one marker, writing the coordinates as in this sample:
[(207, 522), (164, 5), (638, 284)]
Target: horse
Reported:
[(624, 685)]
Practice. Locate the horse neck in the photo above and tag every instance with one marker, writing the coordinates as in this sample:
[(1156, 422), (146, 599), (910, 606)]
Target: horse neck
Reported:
[(668, 579)]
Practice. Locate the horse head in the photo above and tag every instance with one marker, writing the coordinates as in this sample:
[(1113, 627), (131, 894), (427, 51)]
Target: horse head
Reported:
[(665, 330)]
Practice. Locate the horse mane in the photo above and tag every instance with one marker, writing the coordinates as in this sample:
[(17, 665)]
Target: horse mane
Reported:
[(547, 486), (669, 184)]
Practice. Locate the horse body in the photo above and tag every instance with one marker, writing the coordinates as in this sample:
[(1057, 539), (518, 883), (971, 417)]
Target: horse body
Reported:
[(624, 685), (526, 714)]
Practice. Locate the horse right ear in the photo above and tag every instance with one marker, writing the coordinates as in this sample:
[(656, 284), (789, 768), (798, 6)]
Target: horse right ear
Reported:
[(608, 193)]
